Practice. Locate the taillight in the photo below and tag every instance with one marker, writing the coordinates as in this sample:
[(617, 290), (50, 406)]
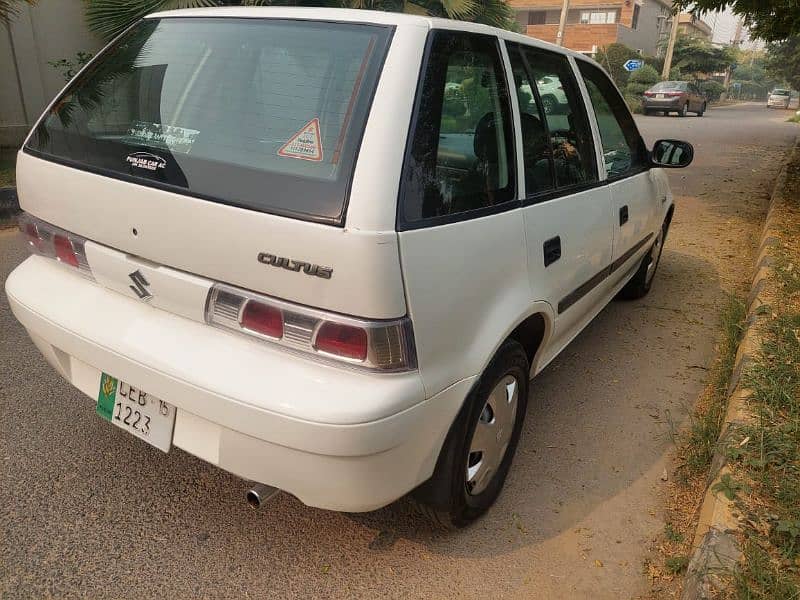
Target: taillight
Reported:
[(649, 94), (374, 345), (52, 242), (64, 250), (262, 318), (672, 94), (342, 340)]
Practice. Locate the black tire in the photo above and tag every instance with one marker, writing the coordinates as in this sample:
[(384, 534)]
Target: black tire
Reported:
[(684, 110), (446, 498), (702, 110), (640, 284), (647, 112)]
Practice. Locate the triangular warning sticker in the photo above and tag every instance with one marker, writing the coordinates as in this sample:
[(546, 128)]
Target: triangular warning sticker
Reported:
[(306, 144)]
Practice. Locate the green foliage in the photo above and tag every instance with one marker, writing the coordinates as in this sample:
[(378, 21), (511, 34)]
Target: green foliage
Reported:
[(634, 103), (677, 564), (110, 17), (695, 56), (673, 536), (642, 80), (613, 57), (770, 20), (759, 577), (712, 89), (70, 66), (8, 9), (701, 438), (783, 61)]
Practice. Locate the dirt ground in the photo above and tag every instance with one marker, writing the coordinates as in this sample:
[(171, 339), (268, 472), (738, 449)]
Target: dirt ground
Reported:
[(86, 510)]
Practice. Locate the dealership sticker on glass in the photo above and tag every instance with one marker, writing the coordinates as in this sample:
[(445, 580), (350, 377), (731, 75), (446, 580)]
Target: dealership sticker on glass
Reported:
[(158, 135), (306, 144), (136, 411)]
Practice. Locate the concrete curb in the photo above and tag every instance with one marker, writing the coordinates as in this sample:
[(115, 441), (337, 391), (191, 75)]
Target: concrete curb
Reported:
[(716, 548)]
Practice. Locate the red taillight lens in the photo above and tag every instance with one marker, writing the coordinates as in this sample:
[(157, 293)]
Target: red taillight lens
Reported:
[(649, 94), (263, 319), (672, 94), (342, 340), (64, 250)]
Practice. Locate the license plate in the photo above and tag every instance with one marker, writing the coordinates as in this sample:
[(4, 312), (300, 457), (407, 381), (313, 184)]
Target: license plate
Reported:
[(660, 96), (136, 411)]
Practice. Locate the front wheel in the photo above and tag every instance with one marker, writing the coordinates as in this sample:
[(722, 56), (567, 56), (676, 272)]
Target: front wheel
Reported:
[(481, 443), (640, 284)]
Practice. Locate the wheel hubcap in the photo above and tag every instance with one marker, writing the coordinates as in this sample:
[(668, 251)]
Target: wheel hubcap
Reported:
[(492, 434), (655, 256)]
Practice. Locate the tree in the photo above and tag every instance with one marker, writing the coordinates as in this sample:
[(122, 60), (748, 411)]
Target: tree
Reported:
[(770, 20), (613, 57), (699, 57), (641, 80), (783, 61), (110, 17), (8, 9)]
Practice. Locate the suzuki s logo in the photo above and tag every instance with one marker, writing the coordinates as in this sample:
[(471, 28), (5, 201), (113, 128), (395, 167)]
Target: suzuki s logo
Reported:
[(139, 286), (145, 160)]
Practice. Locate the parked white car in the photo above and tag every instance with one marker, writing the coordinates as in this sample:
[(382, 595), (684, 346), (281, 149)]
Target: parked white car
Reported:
[(779, 98), (265, 236)]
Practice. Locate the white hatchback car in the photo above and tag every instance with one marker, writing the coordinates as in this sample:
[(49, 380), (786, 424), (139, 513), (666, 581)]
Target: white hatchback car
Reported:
[(267, 236)]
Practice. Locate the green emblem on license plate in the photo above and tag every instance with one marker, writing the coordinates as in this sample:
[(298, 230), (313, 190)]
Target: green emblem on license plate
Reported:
[(107, 396)]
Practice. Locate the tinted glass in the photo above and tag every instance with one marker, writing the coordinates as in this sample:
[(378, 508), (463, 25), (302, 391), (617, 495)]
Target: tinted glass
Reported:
[(461, 153), (568, 126), (260, 113), (536, 149), (781, 93), (623, 148), (669, 85)]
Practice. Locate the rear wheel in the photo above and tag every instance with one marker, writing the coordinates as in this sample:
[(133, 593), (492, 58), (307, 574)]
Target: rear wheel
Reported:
[(702, 110), (640, 284), (481, 443), (684, 109)]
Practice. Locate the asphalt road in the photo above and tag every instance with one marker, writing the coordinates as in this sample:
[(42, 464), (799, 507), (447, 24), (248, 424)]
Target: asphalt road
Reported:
[(88, 511)]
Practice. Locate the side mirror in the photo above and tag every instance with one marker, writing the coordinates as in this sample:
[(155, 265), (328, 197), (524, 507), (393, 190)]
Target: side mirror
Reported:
[(672, 154)]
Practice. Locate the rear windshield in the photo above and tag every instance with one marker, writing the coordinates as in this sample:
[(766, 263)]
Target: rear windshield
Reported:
[(265, 114), (670, 85)]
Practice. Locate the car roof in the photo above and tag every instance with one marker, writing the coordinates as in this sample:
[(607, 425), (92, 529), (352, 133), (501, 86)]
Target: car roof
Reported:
[(361, 16)]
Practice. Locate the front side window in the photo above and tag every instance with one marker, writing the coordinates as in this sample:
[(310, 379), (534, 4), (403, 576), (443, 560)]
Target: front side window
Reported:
[(461, 155), (266, 114), (567, 125), (624, 151)]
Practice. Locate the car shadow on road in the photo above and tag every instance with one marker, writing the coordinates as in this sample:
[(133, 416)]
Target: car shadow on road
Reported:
[(599, 418)]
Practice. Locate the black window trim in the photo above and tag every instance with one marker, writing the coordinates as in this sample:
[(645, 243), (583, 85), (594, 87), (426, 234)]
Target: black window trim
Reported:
[(400, 223), (567, 190), (340, 221), (647, 164)]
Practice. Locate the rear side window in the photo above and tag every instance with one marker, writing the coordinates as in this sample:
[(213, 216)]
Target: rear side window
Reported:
[(265, 114), (624, 151), (567, 124), (460, 158)]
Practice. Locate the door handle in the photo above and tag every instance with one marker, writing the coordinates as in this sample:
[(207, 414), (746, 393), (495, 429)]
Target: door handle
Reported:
[(552, 251), (623, 215)]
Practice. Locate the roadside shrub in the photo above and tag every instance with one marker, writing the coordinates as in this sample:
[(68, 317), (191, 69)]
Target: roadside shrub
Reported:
[(712, 89), (642, 80), (634, 103), (613, 57)]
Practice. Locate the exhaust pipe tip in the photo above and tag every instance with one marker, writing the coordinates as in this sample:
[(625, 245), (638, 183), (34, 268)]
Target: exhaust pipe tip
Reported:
[(258, 495)]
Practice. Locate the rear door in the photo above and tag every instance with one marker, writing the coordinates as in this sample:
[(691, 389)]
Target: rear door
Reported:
[(635, 197), (461, 234), (566, 208)]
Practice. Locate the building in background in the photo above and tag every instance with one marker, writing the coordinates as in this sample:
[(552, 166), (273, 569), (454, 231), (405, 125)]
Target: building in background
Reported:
[(40, 34), (592, 24), (694, 27)]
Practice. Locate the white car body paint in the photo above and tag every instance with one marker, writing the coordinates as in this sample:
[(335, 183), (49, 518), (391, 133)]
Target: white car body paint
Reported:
[(336, 437)]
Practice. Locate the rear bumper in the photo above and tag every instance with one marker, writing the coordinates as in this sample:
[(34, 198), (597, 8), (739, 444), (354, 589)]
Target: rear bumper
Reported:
[(335, 438), (663, 104)]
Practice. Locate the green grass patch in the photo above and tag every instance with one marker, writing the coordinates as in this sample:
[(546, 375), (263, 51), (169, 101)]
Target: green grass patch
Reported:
[(706, 423), (7, 177), (760, 577)]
